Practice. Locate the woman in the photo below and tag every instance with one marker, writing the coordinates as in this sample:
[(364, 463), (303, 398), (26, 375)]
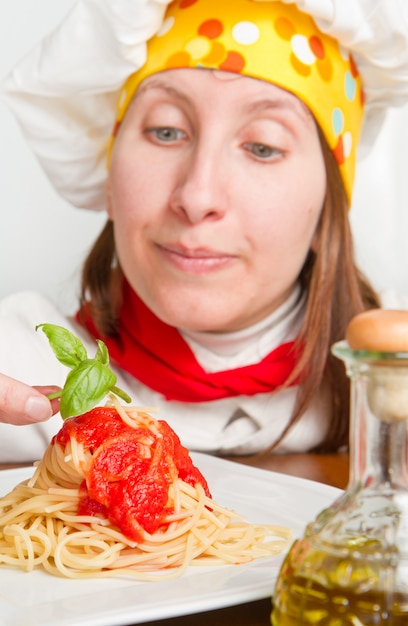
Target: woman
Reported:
[(225, 271)]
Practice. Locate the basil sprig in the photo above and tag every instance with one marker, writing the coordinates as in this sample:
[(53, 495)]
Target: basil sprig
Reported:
[(89, 380)]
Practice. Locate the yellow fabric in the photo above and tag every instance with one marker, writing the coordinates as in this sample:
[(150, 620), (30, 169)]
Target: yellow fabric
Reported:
[(271, 41)]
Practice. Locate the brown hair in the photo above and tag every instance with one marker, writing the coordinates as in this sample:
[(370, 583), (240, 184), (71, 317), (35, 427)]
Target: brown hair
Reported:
[(336, 291)]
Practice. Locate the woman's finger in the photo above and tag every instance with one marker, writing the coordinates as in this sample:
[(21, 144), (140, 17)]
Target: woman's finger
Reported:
[(21, 404)]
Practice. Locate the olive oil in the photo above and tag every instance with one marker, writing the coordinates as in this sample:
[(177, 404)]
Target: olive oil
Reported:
[(316, 588)]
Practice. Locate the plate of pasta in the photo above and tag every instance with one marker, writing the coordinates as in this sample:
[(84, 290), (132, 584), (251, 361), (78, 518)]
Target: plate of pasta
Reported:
[(118, 523), (36, 597)]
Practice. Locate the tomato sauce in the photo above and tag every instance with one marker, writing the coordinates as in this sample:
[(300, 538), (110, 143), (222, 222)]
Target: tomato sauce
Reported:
[(131, 469)]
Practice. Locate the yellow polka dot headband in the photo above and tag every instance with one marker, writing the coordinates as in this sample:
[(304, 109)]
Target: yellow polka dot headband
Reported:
[(270, 41)]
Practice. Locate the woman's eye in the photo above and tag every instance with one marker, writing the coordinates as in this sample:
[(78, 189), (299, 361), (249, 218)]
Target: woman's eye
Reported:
[(166, 134), (262, 151)]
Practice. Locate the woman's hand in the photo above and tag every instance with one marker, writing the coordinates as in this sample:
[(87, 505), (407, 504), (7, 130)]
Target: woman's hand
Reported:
[(21, 404)]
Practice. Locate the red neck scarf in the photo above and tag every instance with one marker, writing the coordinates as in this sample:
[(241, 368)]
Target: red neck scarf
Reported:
[(158, 356)]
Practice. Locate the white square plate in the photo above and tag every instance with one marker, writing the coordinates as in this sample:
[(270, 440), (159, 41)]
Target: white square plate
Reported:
[(39, 599)]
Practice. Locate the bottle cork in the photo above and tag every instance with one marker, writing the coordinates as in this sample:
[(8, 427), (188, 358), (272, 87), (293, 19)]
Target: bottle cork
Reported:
[(384, 331), (379, 330)]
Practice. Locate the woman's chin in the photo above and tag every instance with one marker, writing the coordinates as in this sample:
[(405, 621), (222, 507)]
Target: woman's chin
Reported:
[(196, 315)]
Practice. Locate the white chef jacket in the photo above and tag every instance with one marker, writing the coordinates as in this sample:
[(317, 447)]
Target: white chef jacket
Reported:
[(238, 425)]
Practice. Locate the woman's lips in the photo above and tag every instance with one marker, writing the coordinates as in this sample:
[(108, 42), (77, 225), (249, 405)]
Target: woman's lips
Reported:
[(195, 260)]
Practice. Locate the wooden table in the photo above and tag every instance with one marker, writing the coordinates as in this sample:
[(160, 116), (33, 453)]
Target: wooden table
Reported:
[(331, 469)]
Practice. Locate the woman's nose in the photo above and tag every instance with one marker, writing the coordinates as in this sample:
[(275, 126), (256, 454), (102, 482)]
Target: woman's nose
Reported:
[(200, 190)]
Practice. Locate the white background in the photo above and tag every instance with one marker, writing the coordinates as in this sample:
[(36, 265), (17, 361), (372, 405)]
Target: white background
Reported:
[(43, 240)]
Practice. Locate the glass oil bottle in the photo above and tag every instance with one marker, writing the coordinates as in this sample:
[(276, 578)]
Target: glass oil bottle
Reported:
[(350, 568)]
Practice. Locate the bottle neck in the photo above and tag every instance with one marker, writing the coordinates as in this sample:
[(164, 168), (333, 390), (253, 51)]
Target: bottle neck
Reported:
[(378, 430)]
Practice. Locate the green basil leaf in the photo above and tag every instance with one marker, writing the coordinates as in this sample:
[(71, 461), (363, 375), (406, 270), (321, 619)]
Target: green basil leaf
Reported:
[(85, 386), (121, 393), (102, 354), (68, 349), (89, 380)]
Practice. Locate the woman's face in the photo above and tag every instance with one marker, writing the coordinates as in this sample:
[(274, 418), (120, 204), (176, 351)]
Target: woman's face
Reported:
[(215, 189)]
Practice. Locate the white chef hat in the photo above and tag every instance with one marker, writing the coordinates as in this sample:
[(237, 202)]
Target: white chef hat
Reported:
[(64, 92)]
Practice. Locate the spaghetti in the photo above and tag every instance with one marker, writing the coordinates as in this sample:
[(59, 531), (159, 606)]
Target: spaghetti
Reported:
[(117, 494)]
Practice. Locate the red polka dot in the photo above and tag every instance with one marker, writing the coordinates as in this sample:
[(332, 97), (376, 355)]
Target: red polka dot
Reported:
[(234, 62), (338, 151), (211, 29), (184, 4), (116, 127), (316, 46), (353, 67)]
